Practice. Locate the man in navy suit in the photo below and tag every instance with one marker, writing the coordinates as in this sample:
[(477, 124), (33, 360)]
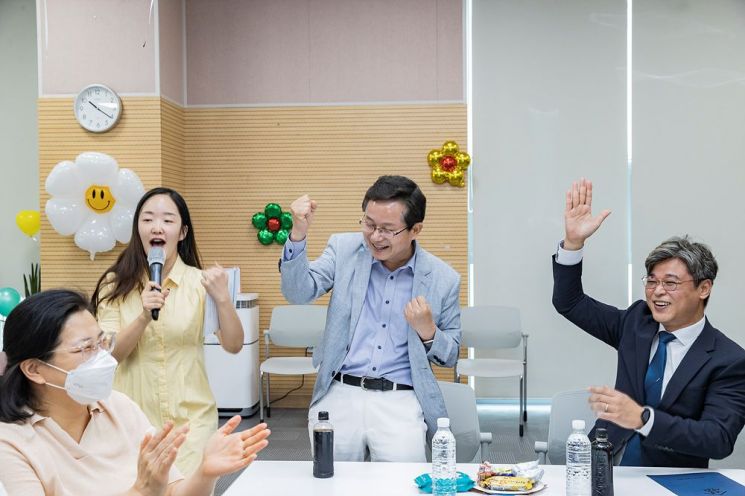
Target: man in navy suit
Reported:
[(679, 397)]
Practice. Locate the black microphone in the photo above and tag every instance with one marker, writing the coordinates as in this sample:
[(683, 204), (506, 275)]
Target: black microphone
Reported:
[(156, 257)]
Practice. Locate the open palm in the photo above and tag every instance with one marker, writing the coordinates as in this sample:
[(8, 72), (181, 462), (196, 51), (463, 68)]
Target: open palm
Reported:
[(579, 223), (227, 452)]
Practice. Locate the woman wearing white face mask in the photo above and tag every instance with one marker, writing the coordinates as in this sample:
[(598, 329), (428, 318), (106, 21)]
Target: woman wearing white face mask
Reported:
[(64, 432)]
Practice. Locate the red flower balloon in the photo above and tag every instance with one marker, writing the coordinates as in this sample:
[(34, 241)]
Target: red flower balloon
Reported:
[(273, 224)]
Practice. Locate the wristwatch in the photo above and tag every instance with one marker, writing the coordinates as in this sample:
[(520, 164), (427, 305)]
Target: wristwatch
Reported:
[(646, 413)]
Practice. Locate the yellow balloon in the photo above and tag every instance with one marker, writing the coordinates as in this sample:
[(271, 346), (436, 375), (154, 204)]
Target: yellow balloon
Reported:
[(450, 148), (28, 221), (434, 158), (439, 176), (463, 159), (456, 178)]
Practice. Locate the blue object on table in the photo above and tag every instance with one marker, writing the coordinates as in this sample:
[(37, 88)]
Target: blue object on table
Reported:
[(463, 483), (699, 483)]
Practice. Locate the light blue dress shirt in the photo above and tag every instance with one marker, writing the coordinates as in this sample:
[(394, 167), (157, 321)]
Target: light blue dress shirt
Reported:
[(379, 346)]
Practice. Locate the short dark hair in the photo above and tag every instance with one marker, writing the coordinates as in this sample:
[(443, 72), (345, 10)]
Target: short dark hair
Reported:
[(399, 188), (697, 257), (32, 330)]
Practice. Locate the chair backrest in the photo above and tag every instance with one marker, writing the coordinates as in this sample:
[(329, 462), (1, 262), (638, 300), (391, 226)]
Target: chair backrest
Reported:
[(493, 327), (565, 407), (460, 403), (297, 326)]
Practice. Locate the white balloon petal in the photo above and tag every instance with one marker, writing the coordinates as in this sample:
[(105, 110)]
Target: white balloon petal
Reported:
[(128, 187), (121, 222), (94, 200), (97, 168), (65, 214), (65, 180), (95, 235)]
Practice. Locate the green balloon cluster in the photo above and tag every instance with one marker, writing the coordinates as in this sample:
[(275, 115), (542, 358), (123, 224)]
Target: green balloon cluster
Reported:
[(273, 224)]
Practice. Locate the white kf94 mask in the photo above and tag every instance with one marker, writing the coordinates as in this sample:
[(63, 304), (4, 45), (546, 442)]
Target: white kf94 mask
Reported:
[(92, 380)]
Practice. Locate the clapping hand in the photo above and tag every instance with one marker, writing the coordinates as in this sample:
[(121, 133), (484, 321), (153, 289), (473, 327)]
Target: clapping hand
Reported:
[(229, 451), (157, 454), (579, 223)]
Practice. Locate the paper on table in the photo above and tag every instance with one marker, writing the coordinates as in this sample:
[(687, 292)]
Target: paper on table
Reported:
[(699, 483), (211, 321)]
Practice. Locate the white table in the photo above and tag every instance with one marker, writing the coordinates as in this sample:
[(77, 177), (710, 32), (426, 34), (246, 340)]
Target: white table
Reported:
[(270, 478)]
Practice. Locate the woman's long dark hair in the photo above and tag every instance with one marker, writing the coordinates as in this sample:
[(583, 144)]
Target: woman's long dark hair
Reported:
[(131, 266), (32, 330)]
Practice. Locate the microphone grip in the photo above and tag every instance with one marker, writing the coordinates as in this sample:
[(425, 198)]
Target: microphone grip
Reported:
[(155, 276)]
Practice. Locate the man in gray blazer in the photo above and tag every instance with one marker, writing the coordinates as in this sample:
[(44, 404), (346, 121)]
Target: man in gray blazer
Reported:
[(393, 309)]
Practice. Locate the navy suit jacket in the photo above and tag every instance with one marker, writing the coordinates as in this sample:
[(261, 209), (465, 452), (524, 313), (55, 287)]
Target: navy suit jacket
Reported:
[(703, 407)]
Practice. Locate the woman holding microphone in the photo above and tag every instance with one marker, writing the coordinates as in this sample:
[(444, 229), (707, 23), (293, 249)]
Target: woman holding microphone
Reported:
[(162, 361)]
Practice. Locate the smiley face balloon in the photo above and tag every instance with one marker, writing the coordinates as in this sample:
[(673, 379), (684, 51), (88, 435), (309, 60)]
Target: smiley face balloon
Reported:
[(94, 200), (99, 198)]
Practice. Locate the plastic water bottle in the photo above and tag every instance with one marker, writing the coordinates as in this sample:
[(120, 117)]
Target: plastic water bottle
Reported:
[(323, 447), (443, 460), (602, 464), (579, 461)]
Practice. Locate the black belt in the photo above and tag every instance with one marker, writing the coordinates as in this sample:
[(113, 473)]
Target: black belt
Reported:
[(372, 383)]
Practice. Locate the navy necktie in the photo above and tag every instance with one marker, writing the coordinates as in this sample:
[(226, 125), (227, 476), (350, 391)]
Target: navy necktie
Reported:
[(652, 392)]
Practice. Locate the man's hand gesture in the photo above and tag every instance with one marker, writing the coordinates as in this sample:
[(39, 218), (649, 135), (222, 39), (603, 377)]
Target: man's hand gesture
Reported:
[(579, 224), (302, 211)]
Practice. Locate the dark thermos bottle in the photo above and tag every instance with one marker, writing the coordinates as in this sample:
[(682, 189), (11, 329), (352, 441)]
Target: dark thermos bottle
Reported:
[(602, 464), (323, 447)]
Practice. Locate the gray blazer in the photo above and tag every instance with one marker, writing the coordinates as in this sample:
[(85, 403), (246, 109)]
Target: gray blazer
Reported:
[(345, 267)]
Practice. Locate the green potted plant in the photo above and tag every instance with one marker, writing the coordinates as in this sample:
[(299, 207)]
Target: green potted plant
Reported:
[(32, 285)]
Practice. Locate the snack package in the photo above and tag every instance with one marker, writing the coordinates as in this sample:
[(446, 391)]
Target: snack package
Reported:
[(509, 475), (507, 483)]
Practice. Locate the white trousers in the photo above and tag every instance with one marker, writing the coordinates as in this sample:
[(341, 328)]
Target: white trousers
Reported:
[(390, 424)]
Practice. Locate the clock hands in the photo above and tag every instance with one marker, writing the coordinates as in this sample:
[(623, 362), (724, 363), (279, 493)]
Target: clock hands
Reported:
[(96, 107)]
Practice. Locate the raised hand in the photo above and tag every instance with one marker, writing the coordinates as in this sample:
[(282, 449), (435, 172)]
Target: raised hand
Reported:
[(215, 281), (227, 452), (302, 211), (157, 454), (419, 316), (579, 224), (152, 298)]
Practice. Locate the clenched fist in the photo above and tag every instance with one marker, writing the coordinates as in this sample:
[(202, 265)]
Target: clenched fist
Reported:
[(215, 281), (302, 211), (419, 316)]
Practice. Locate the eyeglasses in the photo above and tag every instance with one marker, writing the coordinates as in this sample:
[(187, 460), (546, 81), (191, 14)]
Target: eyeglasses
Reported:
[(669, 286), (370, 228), (89, 347)]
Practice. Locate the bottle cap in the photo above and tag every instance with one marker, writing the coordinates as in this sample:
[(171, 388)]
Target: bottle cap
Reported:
[(601, 433), (443, 422), (323, 415), (578, 425)]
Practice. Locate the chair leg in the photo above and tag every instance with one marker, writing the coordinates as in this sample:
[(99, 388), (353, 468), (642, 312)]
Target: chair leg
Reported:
[(261, 397), (521, 411), (268, 401), (525, 393)]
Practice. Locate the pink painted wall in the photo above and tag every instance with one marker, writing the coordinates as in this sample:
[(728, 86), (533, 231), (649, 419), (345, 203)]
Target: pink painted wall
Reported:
[(171, 25), (323, 51), (102, 41)]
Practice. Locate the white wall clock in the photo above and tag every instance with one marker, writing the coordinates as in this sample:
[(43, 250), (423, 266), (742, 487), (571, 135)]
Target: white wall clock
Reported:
[(97, 108)]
